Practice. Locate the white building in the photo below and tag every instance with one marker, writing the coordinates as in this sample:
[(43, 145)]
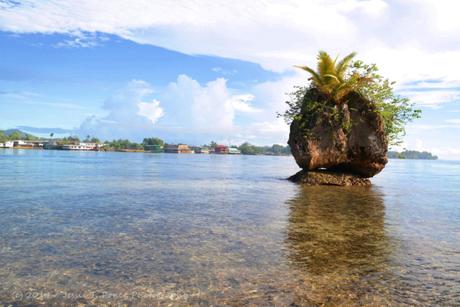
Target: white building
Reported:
[(81, 146), (234, 151), (7, 144)]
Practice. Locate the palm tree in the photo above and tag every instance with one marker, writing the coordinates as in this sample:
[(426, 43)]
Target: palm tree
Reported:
[(331, 76)]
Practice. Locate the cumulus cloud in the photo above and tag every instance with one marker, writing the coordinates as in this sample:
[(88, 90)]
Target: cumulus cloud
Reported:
[(128, 113), (199, 108), (150, 110), (183, 111), (215, 111), (242, 103), (203, 112)]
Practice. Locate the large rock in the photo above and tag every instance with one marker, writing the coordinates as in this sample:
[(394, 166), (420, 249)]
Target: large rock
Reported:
[(348, 138)]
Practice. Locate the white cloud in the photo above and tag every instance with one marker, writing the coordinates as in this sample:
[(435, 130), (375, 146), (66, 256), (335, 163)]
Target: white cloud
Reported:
[(35, 99), (224, 72), (150, 110), (183, 111), (199, 108), (431, 93), (128, 114), (451, 124), (82, 40), (273, 94), (455, 121), (270, 128), (242, 103), (200, 113), (372, 8), (443, 151), (433, 99), (410, 39), (438, 138)]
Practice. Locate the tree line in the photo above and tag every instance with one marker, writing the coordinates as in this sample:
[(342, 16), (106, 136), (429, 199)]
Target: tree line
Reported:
[(412, 154), (12, 135)]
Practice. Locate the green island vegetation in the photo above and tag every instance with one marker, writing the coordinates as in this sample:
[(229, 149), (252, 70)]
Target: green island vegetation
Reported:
[(153, 141), (15, 134), (275, 149), (76, 140), (122, 144), (412, 154), (334, 81)]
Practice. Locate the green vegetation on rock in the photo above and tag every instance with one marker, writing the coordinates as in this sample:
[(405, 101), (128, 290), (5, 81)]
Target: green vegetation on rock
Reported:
[(332, 78), (331, 86)]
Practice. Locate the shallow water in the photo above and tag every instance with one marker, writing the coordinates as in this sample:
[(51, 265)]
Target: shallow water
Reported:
[(146, 229)]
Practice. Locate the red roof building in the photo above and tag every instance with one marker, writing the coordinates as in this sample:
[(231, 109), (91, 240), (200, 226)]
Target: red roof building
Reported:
[(221, 149)]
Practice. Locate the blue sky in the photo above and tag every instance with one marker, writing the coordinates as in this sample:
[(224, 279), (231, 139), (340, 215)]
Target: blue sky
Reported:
[(215, 70), (48, 84)]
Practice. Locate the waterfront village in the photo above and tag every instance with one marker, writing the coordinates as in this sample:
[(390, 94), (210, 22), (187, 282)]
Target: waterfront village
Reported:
[(21, 140), (84, 146)]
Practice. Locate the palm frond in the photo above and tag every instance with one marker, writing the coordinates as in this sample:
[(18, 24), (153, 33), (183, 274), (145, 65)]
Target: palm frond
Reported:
[(331, 76), (315, 76), (342, 66), (335, 60), (325, 64)]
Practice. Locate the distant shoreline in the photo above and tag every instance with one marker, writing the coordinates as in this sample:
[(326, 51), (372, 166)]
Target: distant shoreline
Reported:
[(390, 156), (411, 155), (17, 139), (144, 151)]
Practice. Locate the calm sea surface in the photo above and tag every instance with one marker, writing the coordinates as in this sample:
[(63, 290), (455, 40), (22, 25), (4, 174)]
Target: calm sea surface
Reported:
[(147, 229)]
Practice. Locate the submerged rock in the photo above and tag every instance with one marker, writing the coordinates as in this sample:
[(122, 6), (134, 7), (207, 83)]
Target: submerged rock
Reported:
[(328, 178), (346, 138)]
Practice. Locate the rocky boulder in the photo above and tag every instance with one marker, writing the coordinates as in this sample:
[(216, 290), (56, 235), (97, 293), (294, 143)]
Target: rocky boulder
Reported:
[(329, 178), (346, 138)]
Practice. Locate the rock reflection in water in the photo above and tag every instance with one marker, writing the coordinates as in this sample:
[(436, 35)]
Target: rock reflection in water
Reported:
[(336, 237)]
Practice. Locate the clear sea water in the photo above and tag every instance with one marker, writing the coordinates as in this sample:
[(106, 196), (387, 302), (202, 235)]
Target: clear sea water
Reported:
[(154, 229)]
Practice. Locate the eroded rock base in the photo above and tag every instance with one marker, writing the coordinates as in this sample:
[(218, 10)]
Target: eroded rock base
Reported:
[(328, 178)]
